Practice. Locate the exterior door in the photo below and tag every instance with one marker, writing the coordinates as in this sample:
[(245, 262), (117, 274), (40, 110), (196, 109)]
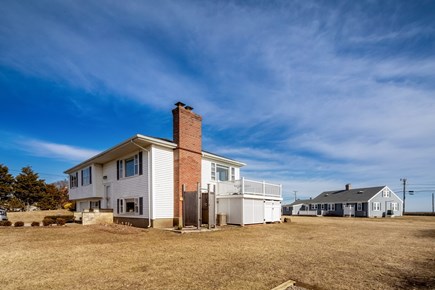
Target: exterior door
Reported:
[(190, 208), (268, 211)]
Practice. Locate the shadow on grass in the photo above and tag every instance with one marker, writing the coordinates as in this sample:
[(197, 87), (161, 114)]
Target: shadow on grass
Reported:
[(427, 233), (422, 278)]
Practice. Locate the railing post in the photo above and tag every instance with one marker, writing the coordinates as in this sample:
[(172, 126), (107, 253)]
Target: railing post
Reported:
[(243, 185), (264, 187)]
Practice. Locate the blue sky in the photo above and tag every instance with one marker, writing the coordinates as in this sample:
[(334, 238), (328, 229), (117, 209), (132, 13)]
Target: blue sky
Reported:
[(310, 94)]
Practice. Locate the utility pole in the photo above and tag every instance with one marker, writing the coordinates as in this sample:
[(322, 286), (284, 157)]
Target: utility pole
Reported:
[(404, 191), (295, 191), (433, 203)]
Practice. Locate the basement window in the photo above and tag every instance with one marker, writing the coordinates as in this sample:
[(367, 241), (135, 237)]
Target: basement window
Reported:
[(130, 206)]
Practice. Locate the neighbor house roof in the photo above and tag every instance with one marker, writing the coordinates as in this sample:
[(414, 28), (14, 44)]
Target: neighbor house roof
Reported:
[(351, 195), (299, 201)]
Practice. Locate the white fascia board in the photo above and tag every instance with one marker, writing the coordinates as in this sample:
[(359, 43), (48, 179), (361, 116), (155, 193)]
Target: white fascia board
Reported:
[(394, 194), (136, 137), (222, 159)]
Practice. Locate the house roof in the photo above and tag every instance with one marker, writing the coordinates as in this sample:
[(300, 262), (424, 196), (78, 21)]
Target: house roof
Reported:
[(135, 142), (222, 158), (299, 201), (352, 195)]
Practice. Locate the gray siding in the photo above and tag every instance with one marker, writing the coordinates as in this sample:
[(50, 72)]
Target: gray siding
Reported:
[(385, 205)]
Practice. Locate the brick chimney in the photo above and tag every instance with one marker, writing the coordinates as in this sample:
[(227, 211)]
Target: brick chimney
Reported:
[(348, 186), (188, 154)]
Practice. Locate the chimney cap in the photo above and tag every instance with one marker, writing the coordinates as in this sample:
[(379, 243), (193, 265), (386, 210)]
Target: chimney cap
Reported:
[(180, 104), (189, 108)]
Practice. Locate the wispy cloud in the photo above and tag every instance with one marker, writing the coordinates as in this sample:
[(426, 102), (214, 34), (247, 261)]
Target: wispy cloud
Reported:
[(55, 151)]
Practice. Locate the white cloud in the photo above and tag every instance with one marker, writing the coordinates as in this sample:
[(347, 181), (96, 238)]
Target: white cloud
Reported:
[(55, 151)]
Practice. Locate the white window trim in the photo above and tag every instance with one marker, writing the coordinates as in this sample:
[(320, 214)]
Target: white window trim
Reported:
[(213, 171), (359, 206), (123, 206), (322, 206), (395, 206), (331, 206), (376, 206)]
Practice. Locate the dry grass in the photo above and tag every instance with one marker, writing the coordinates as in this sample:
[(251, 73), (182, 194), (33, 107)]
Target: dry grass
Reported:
[(321, 253), (35, 216)]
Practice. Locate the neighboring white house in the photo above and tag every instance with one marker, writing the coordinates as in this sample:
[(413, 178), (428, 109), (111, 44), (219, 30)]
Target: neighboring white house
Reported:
[(141, 179)]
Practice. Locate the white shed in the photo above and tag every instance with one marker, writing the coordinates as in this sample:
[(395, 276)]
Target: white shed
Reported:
[(249, 202)]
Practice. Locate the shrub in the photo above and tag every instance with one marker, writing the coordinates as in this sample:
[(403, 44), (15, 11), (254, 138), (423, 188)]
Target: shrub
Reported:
[(67, 218), (35, 224), (60, 221), (5, 223), (48, 221), (18, 224)]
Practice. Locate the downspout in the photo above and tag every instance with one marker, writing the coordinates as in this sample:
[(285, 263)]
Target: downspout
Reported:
[(149, 180)]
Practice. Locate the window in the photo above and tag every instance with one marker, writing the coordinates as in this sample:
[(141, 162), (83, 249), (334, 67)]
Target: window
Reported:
[(359, 206), (94, 204), (395, 206), (222, 172), (130, 206), (213, 171), (74, 180), (314, 206), (376, 206), (233, 173), (131, 166), (331, 206), (86, 176), (386, 193), (323, 206), (120, 172)]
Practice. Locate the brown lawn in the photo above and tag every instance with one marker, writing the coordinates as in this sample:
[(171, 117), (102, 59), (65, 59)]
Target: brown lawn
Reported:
[(320, 253)]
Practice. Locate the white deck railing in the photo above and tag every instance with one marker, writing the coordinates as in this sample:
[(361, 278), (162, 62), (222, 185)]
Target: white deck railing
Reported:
[(246, 186)]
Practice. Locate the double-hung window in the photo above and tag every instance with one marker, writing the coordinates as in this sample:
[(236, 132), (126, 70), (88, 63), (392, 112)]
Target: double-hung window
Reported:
[(386, 193), (331, 206), (74, 180), (395, 206), (359, 206), (222, 172), (130, 166), (376, 206), (87, 176), (322, 206)]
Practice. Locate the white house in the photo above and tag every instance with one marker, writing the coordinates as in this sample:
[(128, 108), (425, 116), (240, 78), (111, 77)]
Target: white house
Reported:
[(141, 179)]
